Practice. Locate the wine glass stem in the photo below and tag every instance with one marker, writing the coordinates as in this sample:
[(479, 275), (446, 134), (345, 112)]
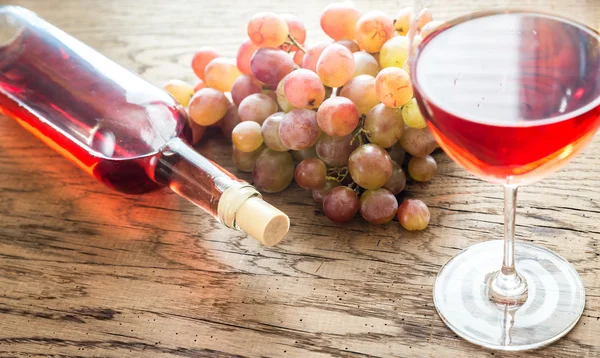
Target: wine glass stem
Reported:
[(507, 286)]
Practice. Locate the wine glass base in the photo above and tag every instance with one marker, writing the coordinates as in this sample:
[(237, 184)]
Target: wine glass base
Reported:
[(555, 301)]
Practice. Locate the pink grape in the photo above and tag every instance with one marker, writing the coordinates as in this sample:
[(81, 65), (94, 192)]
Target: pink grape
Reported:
[(299, 129), (393, 87), (311, 174), (378, 206), (296, 30), (267, 29), (220, 73), (273, 171), (312, 56), (202, 58), (370, 166), (365, 64), (335, 65), (270, 65), (361, 91), (338, 21), (319, 194), (335, 151), (402, 21), (245, 53), (304, 89), (349, 44), (247, 137), (413, 215), (244, 86), (199, 85), (384, 125), (341, 204), (208, 106), (257, 107), (397, 182), (298, 57), (300, 155), (337, 116), (373, 29), (230, 120), (270, 132)]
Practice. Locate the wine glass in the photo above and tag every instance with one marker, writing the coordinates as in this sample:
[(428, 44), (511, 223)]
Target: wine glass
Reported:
[(511, 92)]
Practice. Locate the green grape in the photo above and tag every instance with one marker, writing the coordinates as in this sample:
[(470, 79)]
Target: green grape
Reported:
[(378, 206), (370, 166), (397, 182), (311, 173), (384, 125), (418, 142), (402, 21), (244, 161), (412, 115), (270, 132), (365, 64), (284, 104), (422, 168), (393, 87), (247, 137), (273, 171), (340, 204), (394, 52)]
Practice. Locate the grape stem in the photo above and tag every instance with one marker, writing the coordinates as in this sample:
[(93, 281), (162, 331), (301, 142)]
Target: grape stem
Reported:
[(337, 174), (293, 40)]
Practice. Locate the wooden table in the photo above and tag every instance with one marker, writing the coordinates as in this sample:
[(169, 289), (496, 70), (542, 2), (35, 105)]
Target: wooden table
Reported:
[(85, 271)]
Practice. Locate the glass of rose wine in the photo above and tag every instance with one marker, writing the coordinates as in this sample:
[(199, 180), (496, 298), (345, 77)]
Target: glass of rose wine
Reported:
[(511, 92)]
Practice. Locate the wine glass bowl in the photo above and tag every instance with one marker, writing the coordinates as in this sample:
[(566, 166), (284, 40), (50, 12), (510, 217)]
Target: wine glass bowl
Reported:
[(511, 96)]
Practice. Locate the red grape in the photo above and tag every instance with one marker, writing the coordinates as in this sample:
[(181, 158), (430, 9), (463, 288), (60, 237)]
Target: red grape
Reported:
[(378, 206), (311, 173), (340, 204), (337, 116), (245, 53), (303, 89), (202, 58), (270, 65), (370, 166), (299, 129)]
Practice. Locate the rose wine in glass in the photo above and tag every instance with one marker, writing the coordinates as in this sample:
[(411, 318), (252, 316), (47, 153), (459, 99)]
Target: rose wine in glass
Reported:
[(511, 96)]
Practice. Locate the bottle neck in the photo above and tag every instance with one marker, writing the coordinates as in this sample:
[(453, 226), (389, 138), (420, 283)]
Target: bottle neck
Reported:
[(202, 182)]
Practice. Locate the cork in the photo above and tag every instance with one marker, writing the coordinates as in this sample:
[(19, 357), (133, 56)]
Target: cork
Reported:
[(262, 221)]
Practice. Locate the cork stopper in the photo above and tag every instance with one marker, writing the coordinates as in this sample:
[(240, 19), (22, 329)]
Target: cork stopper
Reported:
[(262, 221)]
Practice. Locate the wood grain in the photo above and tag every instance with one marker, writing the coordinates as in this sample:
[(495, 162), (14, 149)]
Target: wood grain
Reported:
[(85, 271)]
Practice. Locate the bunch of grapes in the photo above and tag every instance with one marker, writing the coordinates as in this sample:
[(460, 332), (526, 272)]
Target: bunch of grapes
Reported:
[(339, 118)]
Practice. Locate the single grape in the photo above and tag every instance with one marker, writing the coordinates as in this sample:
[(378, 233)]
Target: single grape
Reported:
[(208, 106), (418, 142), (247, 137), (361, 91), (397, 153), (267, 29), (422, 168), (365, 64), (270, 65), (429, 28), (298, 57), (244, 161), (312, 56), (245, 53), (335, 65), (271, 94), (300, 155), (338, 20), (370, 166), (202, 58), (296, 30), (424, 18), (180, 90), (378, 206), (349, 44), (311, 173), (373, 29), (230, 120), (412, 115), (394, 52), (244, 86), (397, 182), (340, 204), (270, 132), (384, 125), (299, 129), (335, 151), (282, 100), (393, 87), (319, 194), (197, 132), (257, 107), (337, 116), (199, 85), (413, 215), (304, 89), (402, 21), (273, 171), (220, 74)]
